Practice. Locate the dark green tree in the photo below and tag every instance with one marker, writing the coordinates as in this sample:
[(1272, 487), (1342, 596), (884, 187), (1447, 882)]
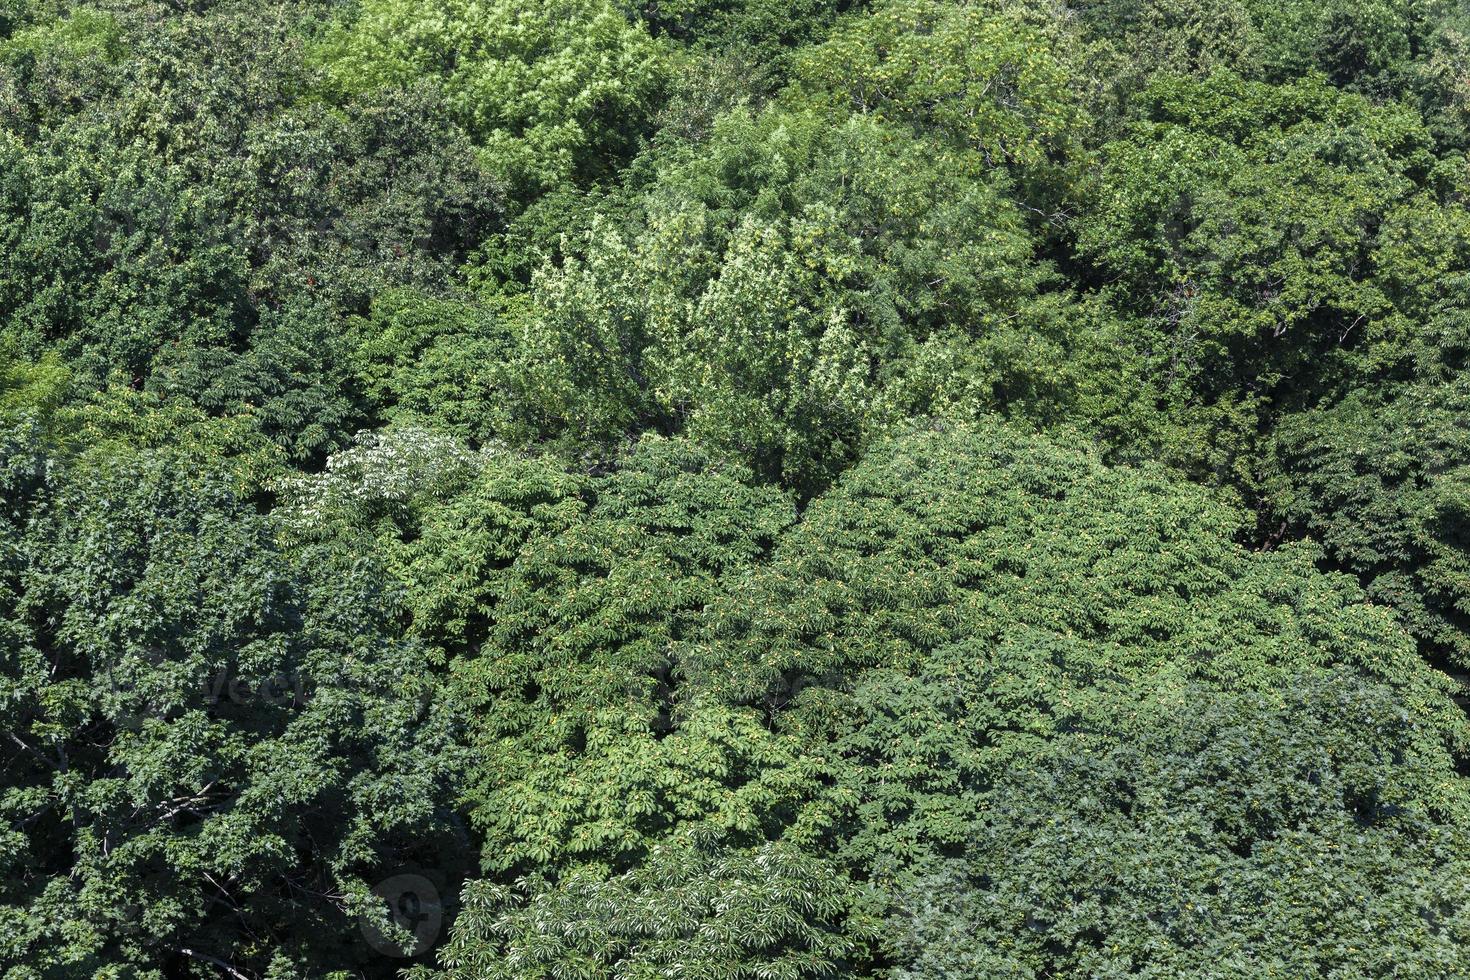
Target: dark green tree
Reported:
[(213, 747)]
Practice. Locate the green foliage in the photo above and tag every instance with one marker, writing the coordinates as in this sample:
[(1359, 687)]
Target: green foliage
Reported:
[(1173, 829), (576, 680), (553, 91), (971, 612), (80, 33), (1358, 42), (967, 613), (1182, 37), (968, 533), (789, 290), (1394, 48), (211, 740), (1291, 265), (387, 192), (765, 35), (1383, 484), (420, 357), (204, 237), (732, 489), (1240, 225), (986, 76), (700, 911)]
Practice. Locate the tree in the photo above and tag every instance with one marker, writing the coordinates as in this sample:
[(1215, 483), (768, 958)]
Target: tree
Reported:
[(213, 745), (585, 758), (960, 605), (789, 291), (697, 910), (1239, 226), (418, 357), (864, 488), (1172, 828), (969, 619), (986, 76), (177, 222), (553, 91), (1380, 478)]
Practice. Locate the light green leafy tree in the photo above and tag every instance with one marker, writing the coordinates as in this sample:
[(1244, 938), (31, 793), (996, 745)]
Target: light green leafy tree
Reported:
[(789, 291), (552, 91)]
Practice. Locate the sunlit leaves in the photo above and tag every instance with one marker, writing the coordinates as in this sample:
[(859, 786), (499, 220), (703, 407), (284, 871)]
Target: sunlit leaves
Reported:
[(984, 75), (772, 913), (782, 293), (552, 91)]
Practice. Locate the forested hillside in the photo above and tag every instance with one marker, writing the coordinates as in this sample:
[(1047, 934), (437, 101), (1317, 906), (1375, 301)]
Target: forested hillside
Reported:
[(734, 489)]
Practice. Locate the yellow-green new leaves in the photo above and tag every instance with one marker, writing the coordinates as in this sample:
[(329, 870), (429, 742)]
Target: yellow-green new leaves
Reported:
[(80, 33), (552, 90)]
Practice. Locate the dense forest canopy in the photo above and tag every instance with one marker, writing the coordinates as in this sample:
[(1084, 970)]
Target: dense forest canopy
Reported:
[(734, 489)]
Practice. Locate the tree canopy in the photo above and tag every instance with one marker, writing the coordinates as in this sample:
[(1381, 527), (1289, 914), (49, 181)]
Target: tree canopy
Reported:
[(724, 489)]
